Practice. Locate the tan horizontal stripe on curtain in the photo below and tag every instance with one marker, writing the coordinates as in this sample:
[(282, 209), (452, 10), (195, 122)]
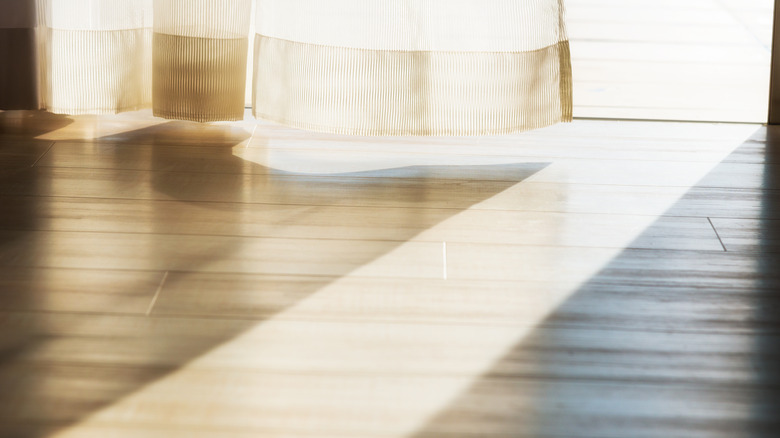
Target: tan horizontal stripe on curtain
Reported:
[(186, 58), (371, 92), (422, 67), (94, 57), (200, 57), (97, 72)]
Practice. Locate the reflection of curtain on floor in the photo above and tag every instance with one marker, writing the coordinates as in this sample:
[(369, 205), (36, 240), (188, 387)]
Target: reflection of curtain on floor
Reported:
[(422, 67)]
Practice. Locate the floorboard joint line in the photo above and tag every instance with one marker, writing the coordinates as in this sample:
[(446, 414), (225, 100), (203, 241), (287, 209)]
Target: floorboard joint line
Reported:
[(444, 259), (251, 137), (157, 294), (51, 145), (718, 235)]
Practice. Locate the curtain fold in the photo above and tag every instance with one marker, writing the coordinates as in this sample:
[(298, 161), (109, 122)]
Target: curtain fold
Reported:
[(412, 67), (379, 67), (95, 55), (200, 57)]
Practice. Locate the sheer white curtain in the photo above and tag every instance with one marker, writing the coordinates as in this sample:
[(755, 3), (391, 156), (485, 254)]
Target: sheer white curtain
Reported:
[(423, 67), (95, 55), (200, 56), (384, 67)]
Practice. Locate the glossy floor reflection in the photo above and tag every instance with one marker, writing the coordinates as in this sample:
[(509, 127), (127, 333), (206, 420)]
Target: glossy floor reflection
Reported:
[(167, 279), (658, 343)]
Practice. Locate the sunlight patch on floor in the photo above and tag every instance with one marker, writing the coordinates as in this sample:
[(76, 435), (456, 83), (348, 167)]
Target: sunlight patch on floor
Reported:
[(384, 375)]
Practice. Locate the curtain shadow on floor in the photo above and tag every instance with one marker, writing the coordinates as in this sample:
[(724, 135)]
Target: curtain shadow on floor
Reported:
[(99, 226), (27, 125), (660, 343)]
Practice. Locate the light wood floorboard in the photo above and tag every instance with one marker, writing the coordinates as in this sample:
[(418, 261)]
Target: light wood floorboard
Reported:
[(591, 280)]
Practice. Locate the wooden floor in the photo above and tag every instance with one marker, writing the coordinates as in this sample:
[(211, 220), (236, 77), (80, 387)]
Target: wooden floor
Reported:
[(671, 59), (599, 279)]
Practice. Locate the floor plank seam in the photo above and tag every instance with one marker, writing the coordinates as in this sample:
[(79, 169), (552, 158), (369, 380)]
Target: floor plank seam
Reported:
[(292, 176), (378, 206), (523, 159), (411, 240), (718, 235), (51, 145), (157, 294), (742, 331), (345, 176), (713, 384)]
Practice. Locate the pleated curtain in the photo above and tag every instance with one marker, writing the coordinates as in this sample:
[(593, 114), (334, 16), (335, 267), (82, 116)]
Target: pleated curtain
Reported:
[(366, 67)]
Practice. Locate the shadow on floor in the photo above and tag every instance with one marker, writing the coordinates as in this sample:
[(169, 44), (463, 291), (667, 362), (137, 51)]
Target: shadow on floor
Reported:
[(658, 343), (83, 251)]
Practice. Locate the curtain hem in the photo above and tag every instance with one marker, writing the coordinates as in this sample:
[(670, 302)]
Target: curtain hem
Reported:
[(381, 92)]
